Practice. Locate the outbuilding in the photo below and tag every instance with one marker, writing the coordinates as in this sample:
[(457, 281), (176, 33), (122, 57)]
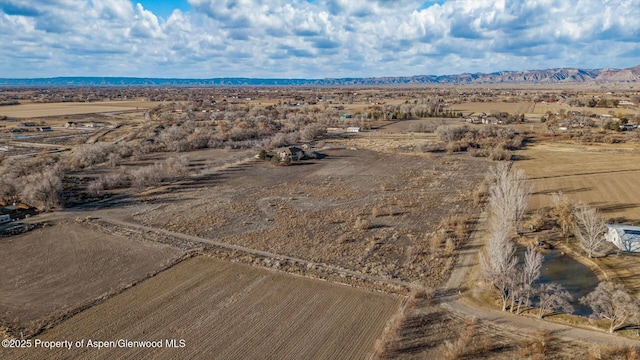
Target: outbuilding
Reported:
[(625, 237)]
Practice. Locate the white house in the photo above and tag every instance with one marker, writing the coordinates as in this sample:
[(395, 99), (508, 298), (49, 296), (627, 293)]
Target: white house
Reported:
[(625, 237), (353, 129)]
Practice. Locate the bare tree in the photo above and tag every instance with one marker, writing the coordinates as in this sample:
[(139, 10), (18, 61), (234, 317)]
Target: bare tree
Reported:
[(509, 194), (530, 273), (43, 189), (553, 297), (562, 212), (499, 261), (589, 228), (612, 302)]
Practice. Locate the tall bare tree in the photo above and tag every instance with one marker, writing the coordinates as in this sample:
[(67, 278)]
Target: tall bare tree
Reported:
[(589, 228), (612, 302), (499, 261), (529, 274), (553, 297), (509, 194)]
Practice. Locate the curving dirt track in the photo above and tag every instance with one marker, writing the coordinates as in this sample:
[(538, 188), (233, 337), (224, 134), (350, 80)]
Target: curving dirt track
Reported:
[(225, 310)]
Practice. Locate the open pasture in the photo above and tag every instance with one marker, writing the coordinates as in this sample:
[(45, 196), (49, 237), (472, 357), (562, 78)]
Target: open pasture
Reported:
[(25, 111), (363, 210), (489, 107), (225, 310), (604, 176), (52, 271)]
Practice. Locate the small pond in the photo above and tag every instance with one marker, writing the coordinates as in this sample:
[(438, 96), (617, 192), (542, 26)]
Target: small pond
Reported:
[(574, 276)]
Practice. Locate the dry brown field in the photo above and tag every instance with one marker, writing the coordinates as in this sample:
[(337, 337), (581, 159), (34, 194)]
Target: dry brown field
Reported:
[(533, 110), (489, 107), (59, 109), (224, 310), (310, 210), (55, 270), (604, 176)]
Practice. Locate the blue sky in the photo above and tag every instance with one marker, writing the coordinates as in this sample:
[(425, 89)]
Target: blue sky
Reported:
[(312, 38), (164, 8)]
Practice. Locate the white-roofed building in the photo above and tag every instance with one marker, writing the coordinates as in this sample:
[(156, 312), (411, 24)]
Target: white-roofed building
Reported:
[(625, 237)]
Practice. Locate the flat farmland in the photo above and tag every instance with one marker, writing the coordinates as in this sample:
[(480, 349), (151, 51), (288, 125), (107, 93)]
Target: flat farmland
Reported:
[(225, 310), (59, 109), (488, 107), (604, 176), (52, 271)]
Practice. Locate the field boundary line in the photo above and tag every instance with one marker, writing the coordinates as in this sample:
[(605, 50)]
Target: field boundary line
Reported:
[(585, 174), (321, 266)]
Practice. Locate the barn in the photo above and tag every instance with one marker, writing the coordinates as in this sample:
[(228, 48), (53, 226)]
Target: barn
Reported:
[(625, 237)]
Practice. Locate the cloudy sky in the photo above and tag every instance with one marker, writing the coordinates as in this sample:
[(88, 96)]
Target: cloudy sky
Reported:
[(312, 38)]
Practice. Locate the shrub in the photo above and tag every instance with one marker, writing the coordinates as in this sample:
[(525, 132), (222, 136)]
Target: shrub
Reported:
[(176, 166), (146, 176), (449, 133), (456, 146), (95, 187), (538, 347), (90, 155), (313, 131), (362, 224), (498, 153)]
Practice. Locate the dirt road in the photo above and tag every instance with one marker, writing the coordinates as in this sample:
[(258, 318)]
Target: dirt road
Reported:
[(326, 267), (510, 322)]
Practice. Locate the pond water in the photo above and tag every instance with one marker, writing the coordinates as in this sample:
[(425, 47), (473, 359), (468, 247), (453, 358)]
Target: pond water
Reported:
[(574, 276)]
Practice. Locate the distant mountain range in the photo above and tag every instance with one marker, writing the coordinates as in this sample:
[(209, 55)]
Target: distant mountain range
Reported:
[(549, 76)]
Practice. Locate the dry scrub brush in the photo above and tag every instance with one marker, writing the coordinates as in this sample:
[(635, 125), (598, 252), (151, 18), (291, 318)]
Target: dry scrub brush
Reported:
[(614, 352), (490, 141), (389, 341), (464, 344), (362, 224), (538, 347)]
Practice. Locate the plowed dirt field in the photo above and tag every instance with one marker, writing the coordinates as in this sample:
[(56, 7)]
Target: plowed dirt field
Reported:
[(49, 272), (224, 310)]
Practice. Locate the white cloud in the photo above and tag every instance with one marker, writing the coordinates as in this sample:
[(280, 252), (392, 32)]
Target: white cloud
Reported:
[(321, 38)]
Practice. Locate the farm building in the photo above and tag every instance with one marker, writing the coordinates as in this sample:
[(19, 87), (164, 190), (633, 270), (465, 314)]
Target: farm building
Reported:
[(625, 237), (291, 152)]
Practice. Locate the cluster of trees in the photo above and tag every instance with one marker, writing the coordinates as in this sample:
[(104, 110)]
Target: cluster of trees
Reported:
[(489, 141), (34, 181), (515, 282), (585, 223), (235, 127), (170, 169)]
